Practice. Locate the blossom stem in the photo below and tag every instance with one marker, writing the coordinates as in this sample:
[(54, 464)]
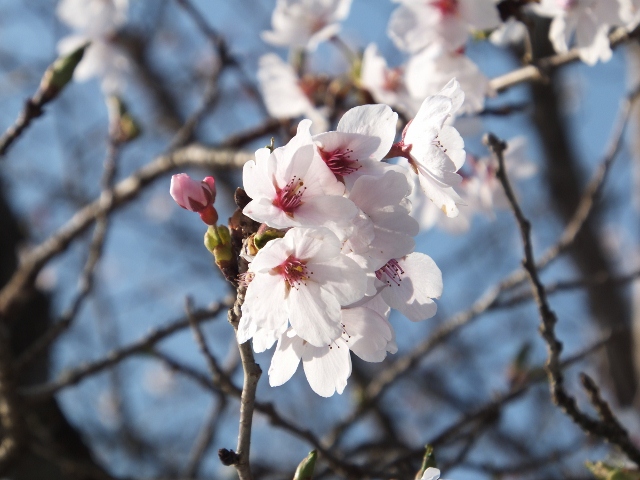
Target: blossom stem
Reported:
[(252, 373)]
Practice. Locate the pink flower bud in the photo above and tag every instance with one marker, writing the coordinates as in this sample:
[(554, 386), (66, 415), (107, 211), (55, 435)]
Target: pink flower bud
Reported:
[(211, 183), (192, 195)]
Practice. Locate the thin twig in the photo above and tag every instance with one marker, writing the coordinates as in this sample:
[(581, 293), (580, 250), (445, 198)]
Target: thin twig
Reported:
[(123, 192), (252, 373), (205, 438), (217, 373), (548, 319), (86, 280), (490, 299), (227, 387), (493, 407), (567, 285), (539, 71), (72, 377)]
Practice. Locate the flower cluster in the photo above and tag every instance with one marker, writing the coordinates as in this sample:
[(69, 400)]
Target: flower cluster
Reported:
[(339, 253), (347, 254), (434, 35)]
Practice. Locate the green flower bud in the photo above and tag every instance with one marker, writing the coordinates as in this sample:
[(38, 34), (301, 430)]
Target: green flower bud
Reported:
[(264, 236), (211, 239), (123, 126), (60, 73), (429, 460), (306, 467)]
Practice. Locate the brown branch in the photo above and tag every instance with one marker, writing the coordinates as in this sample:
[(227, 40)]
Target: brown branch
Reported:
[(252, 373), (567, 285), (538, 72), (86, 280), (493, 407), (205, 439), (32, 109), (227, 387), (11, 419), (72, 377), (548, 320), (123, 192), (490, 299)]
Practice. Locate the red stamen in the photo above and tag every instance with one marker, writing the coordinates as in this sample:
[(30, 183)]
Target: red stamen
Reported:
[(290, 197), (294, 271), (339, 162), (392, 271)]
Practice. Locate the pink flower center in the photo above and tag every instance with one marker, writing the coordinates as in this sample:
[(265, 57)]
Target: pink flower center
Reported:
[(391, 272), (446, 7), (290, 197), (317, 24), (339, 162), (392, 79), (294, 271)]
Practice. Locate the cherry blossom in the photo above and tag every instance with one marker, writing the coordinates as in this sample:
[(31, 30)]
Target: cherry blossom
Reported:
[(429, 215), (327, 368), (96, 21), (511, 32), (93, 17), (446, 24), (630, 13), (365, 332), (283, 94), (431, 473), (306, 23), (385, 84), (382, 201), (409, 284), (363, 137), (293, 186), (304, 279), (586, 21), (480, 190), (430, 70), (435, 150)]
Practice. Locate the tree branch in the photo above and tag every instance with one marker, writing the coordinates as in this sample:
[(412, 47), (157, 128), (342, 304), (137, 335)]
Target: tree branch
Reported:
[(603, 429)]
